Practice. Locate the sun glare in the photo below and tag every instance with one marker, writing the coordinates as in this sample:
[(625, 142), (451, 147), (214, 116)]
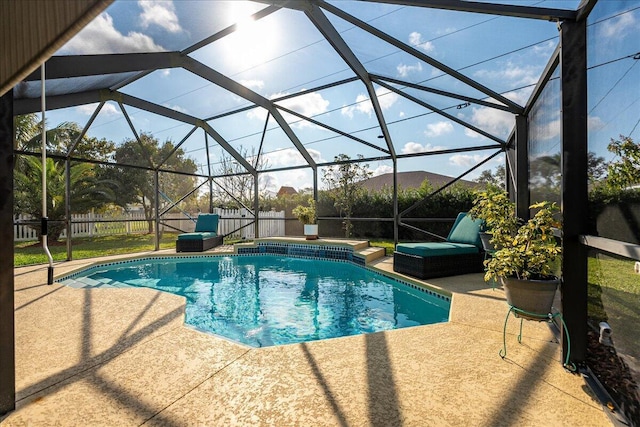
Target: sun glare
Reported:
[(252, 43)]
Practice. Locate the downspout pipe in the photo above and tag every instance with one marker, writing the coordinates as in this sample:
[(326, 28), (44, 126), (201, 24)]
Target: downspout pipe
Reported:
[(44, 220)]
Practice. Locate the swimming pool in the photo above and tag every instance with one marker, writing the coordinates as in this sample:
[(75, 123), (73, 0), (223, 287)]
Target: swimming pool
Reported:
[(266, 300)]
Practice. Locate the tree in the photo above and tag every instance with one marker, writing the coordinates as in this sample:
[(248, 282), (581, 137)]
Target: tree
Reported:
[(596, 167), (60, 139), (343, 181), (625, 171), (235, 184), (87, 190), (497, 178), (136, 184)]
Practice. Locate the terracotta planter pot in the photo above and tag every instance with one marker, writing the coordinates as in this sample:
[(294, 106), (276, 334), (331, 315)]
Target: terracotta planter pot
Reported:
[(533, 296), (311, 231)]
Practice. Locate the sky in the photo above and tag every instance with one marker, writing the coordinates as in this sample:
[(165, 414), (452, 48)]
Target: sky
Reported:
[(284, 53)]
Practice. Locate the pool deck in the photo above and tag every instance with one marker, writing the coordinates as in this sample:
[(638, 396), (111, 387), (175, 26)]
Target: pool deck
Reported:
[(122, 357)]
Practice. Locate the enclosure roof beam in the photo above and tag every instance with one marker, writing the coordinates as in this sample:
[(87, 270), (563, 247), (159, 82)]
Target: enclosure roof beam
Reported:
[(151, 107), (442, 113), (332, 129), (516, 11), (85, 129), (420, 55), (546, 75), (60, 67), (232, 86), (185, 118), (33, 105), (376, 78), (178, 145), (322, 23)]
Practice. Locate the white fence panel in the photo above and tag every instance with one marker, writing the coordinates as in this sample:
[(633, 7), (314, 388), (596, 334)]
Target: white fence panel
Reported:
[(22, 233), (271, 224)]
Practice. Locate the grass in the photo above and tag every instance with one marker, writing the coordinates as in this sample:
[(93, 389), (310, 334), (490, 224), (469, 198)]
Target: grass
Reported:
[(614, 297), (29, 253), (382, 243)]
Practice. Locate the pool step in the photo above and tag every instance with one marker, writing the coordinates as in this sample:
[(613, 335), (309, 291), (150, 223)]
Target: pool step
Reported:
[(370, 253)]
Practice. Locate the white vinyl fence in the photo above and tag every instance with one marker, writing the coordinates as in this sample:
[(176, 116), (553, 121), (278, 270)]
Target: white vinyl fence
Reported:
[(271, 224)]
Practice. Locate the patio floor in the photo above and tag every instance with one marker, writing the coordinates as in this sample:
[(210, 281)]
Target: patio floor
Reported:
[(122, 357)]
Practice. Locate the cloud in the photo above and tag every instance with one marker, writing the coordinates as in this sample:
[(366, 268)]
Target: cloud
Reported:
[(512, 74), (618, 27), (415, 40), (438, 129), (296, 178), (108, 110), (258, 113), (405, 70), (545, 49), (252, 84), (100, 36), (269, 182), (291, 157), (595, 123), (466, 160), (381, 170), (176, 108), (495, 122), (363, 103), (160, 13), (309, 105), (414, 147), (549, 130)]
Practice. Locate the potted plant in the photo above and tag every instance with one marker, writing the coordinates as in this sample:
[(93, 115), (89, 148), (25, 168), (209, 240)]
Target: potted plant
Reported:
[(498, 214), (307, 216), (526, 263)]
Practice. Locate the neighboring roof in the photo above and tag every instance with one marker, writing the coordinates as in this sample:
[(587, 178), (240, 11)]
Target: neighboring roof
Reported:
[(286, 191), (412, 179)]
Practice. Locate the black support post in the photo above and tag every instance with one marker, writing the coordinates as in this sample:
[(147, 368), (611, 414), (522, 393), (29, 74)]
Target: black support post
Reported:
[(573, 62), (156, 208), (67, 207), (7, 331), (522, 168)]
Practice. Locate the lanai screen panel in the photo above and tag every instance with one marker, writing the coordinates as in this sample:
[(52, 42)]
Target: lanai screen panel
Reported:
[(614, 211)]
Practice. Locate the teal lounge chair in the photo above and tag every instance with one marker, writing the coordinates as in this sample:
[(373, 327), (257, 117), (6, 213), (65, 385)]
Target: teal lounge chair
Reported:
[(460, 253), (204, 237)]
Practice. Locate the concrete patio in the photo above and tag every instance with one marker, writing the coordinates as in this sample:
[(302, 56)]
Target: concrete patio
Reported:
[(122, 357)]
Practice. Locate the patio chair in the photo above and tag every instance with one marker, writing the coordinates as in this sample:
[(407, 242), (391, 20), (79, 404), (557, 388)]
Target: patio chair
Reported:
[(460, 253), (204, 237)]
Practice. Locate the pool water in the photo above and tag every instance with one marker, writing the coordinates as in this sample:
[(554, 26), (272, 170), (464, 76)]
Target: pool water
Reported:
[(272, 300)]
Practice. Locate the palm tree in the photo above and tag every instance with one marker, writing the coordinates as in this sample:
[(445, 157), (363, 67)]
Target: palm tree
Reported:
[(87, 191)]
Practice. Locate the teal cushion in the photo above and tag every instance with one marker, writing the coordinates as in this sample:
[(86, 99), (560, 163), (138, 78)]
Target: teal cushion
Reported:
[(466, 230), (196, 236), (207, 222), (431, 249)]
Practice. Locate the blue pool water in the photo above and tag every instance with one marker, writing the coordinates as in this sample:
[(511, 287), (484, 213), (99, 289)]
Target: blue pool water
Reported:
[(272, 300)]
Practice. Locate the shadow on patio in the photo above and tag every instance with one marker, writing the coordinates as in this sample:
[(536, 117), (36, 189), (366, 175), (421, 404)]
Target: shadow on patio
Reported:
[(123, 357)]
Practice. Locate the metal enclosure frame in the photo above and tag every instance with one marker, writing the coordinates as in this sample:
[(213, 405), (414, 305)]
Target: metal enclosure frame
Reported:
[(574, 197)]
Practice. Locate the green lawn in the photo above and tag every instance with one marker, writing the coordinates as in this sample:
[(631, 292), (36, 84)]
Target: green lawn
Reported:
[(28, 253), (381, 243), (614, 297)]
